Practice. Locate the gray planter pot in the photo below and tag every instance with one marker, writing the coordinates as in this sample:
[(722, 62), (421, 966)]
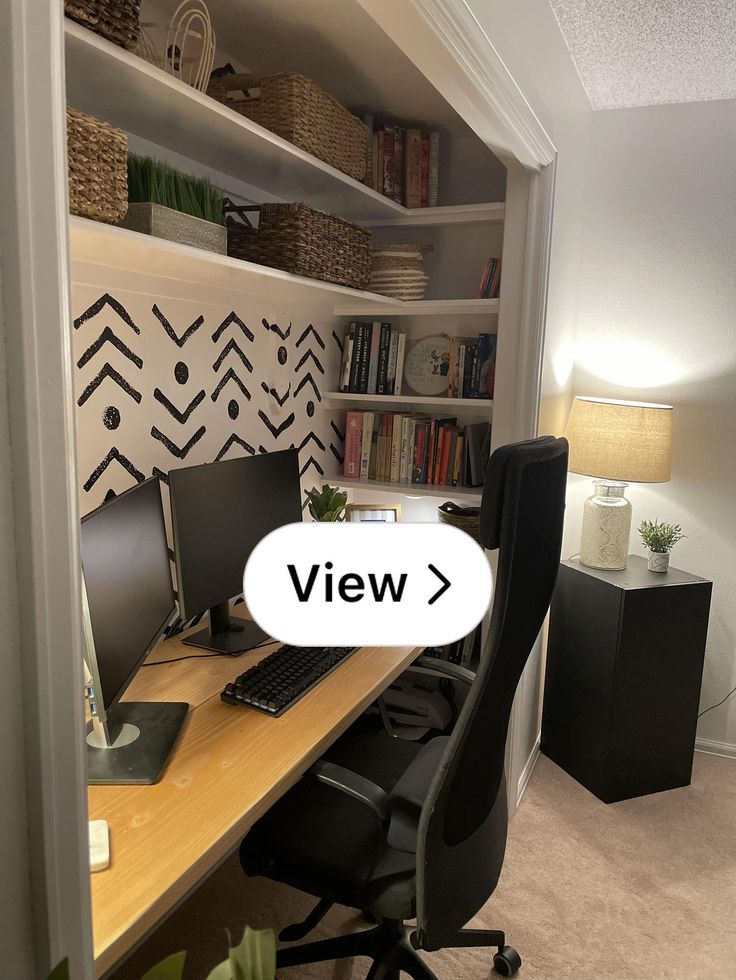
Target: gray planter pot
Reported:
[(173, 226)]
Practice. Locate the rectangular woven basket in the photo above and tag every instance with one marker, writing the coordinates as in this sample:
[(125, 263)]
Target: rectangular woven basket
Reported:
[(299, 111), (116, 20), (97, 159), (303, 241)]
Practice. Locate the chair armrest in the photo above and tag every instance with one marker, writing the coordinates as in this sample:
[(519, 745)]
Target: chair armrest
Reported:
[(349, 782), (453, 672)]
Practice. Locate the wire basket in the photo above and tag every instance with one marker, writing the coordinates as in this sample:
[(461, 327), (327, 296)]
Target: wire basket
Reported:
[(97, 159), (463, 518), (299, 111), (300, 240), (116, 20)]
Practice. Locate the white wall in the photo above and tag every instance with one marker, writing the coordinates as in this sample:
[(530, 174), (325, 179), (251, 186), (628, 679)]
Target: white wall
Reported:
[(657, 322), (16, 958)]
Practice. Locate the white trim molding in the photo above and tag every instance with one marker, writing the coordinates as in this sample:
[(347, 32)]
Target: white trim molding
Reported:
[(526, 773), (448, 45), (710, 747)]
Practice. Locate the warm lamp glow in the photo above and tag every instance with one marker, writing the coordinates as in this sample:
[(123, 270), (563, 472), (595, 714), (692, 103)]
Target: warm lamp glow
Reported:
[(620, 440)]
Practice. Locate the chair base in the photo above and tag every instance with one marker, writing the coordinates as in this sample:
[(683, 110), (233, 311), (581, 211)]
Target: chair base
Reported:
[(391, 946)]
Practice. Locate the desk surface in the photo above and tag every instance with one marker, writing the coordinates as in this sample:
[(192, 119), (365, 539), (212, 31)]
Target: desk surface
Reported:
[(229, 766)]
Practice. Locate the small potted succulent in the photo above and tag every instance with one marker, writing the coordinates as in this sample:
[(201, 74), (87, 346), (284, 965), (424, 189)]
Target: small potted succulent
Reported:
[(329, 505), (660, 538)]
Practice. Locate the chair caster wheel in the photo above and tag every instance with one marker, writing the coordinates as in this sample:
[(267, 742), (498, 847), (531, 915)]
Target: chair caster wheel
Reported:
[(507, 962)]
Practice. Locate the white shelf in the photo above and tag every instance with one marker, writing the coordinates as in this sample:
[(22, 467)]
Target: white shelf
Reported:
[(410, 489), (183, 268), (420, 307), (390, 403), (122, 89), (453, 214)]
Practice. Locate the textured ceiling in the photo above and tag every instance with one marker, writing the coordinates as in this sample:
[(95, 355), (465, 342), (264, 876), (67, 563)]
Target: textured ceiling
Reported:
[(646, 52)]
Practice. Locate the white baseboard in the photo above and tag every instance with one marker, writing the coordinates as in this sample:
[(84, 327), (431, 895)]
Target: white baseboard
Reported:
[(715, 748), (526, 774)]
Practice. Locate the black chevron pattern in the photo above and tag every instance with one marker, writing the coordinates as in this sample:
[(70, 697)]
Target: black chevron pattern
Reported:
[(337, 341), (181, 417), (231, 347), (106, 300), (340, 435), (281, 399), (311, 462), (189, 332), (311, 437), (108, 337), (183, 452), (276, 430), (310, 379), (277, 329), (305, 334), (340, 457), (314, 357), (108, 371), (233, 318), (234, 440), (113, 456), (228, 376)]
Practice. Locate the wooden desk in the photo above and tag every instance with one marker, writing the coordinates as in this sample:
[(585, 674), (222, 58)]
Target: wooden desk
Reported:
[(229, 766)]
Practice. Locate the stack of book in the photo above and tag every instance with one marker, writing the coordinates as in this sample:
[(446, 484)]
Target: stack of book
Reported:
[(490, 282), (372, 359), (413, 449), (472, 367), (403, 163)]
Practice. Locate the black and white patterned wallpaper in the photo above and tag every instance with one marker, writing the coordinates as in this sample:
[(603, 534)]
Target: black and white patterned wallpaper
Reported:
[(164, 382)]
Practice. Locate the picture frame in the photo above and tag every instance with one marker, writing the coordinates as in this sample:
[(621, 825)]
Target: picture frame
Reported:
[(377, 513)]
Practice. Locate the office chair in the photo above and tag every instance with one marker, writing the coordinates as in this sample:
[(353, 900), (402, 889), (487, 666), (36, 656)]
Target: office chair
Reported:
[(402, 830)]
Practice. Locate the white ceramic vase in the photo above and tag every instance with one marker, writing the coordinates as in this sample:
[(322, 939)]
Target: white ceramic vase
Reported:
[(658, 561)]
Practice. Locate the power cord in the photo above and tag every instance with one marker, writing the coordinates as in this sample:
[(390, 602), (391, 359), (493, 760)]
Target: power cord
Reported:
[(723, 701), (206, 656)]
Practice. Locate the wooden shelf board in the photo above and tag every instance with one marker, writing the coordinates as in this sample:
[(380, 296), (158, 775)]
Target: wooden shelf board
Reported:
[(388, 403), (453, 214), (410, 489), (182, 267), (421, 307), (120, 88)]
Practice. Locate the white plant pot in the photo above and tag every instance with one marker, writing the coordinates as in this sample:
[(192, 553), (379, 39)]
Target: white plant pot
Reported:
[(658, 562)]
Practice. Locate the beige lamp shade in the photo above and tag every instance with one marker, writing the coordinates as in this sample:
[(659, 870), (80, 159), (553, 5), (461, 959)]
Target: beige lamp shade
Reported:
[(618, 440)]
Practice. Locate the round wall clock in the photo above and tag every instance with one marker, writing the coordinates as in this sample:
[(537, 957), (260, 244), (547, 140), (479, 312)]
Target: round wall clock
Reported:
[(427, 365)]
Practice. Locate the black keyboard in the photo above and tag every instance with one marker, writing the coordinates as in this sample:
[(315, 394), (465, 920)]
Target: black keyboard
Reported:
[(283, 677)]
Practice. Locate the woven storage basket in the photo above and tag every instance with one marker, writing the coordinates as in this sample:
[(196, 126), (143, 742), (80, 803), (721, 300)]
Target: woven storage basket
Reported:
[(299, 111), (464, 518), (97, 156), (398, 271), (116, 20), (305, 242)]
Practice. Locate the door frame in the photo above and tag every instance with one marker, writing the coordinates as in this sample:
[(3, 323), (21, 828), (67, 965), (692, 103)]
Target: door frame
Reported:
[(445, 41)]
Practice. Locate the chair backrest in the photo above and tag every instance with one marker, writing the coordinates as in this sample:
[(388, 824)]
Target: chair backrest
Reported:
[(462, 830)]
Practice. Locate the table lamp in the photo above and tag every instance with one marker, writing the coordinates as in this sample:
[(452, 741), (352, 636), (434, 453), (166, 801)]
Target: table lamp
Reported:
[(617, 442)]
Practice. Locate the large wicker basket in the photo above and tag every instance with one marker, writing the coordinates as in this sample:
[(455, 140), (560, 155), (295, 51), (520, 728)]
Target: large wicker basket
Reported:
[(97, 155), (299, 111), (303, 241), (398, 271), (116, 20)]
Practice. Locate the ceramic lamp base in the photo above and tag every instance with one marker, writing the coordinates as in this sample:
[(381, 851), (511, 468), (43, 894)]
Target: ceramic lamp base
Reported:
[(606, 527)]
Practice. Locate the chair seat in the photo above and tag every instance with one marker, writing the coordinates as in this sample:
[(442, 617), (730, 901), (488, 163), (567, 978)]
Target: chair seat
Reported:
[(320, 841)]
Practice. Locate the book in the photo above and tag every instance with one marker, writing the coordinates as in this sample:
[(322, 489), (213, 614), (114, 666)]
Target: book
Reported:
[(431, 446), (383, 352), (373, 357), (373, 461), (354, 345), (347, 356), (434, 163), (400, 355), (476, 435), (457, 471), (486, 365), (413, 168), (353, 444), (452, 369), (393, 351), (425, 173), (399, 134), (395, 467), (450, 433), (388, 161), (405, 450), (419, 469), (469, 361), (363, 364), (366, 442), (380, 139), (374, 162)]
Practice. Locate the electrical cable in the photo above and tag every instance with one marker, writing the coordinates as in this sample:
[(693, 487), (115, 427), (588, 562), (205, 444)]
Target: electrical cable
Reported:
[(723, 701), (206, 656)]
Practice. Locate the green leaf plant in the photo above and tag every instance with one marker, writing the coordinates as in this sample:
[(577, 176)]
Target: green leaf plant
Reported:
[(329, 505), (658, 537), (253, 959), (152, 181)]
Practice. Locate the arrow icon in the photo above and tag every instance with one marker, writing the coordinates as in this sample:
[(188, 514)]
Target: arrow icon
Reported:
[(445, 585)]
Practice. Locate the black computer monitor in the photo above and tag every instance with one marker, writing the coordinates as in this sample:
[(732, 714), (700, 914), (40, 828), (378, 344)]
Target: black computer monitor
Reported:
[(129, 600), (220, 511)]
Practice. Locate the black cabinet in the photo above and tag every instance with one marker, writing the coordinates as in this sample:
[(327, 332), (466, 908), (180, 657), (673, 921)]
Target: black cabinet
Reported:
[(624, 668)]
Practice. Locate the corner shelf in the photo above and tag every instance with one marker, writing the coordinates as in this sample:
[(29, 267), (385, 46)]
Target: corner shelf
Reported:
[(421, 307), (409, 489), (389, 403), (123, 89), (451, 214)]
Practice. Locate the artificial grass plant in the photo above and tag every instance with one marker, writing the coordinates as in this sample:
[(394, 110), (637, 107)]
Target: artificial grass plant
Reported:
[(155, 182)]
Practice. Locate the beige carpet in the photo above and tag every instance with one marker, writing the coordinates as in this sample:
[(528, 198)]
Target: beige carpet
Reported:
[(641, 890)]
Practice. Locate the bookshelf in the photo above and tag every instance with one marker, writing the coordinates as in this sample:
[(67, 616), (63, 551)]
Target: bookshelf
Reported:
[(469, 495), (459, 214), (418, 307), (396, 403)]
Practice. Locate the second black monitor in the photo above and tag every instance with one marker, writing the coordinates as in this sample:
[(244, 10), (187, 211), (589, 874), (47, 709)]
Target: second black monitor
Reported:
[(220, 511)]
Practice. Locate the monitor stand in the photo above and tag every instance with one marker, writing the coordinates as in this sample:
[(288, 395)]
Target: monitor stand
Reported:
[(227, 634), (134, 743)]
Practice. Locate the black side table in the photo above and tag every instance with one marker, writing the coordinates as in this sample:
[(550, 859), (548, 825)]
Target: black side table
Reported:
[(624, 668)]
